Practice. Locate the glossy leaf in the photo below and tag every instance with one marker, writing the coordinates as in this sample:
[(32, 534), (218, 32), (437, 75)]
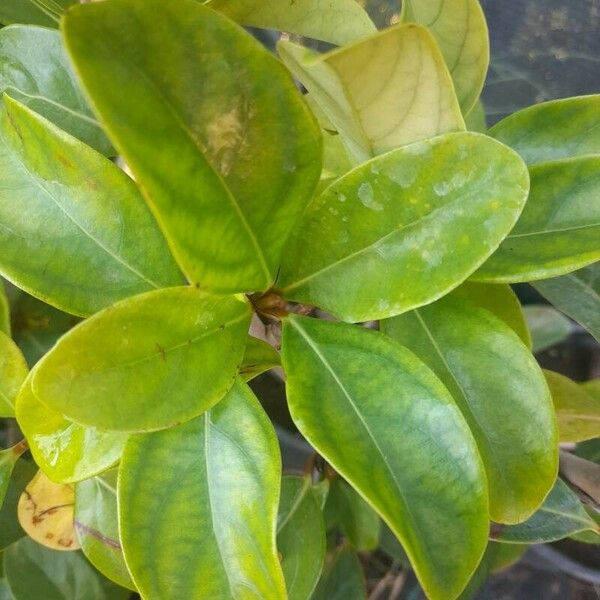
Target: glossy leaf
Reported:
[(8, 459), (339, 22), (300, 537), (500, 300), (97, 529), (357, 520), (236, 166), (28, 11), (65, 451), (342, 578), (577, 412), (218, 476), (37, 572), (561, 515), (425, 215), (553, 130), (152, 361), (258, 358), (35, 71), (5, 326), (372, 93), (374, 434), (105, 245), (516, 437), (559, 229), (45, 512), (547, 326), (577, 295), (10, 530), (460, 29), (13, 371)]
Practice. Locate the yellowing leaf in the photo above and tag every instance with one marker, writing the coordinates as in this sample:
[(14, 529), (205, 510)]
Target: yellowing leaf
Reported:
[(336, 21), (45, 512), (460, 29), (383, 92), (13, 371)]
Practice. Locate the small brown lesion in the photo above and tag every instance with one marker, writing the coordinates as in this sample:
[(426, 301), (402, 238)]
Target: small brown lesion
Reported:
[(161, 351)]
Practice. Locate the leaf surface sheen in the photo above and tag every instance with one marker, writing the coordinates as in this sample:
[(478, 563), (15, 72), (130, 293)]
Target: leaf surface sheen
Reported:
[(239, 153), (414, 462), (559, 228), (151, 361), (427, 215), (207, 492), (61, 200), (510, 414)]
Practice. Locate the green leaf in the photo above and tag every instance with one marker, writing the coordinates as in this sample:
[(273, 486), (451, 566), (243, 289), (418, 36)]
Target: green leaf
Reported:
[(426, 215), (356, 519), (577, 412), (414, 462), (577, 295), (516, 437), (152, 361), (342, 578), (37, 326), (235, 165), (553, 130), (258, 358), (476, 119), (460, 29), (339, 22), (372, 93), (8, 459), (96, 524), (500, 300), (218, 477), (590, 449), (5, 325), (33, 11), (64, 450), (13, 372), (592, 387), (34, 571), (300, 537), (10, 529), (561, 515), (105, 245), (35, 71), (559, 229), (548, 327)]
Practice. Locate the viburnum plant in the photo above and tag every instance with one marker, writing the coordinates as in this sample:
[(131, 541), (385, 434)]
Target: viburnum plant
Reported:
[(170, 186)]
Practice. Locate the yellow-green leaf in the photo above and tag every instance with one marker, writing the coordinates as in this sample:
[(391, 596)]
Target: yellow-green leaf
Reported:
[(64, 450), (559, 229), (460, 29), (517, 436), (13, 372), (380, 93), (577, 412), (500, 300), (97, 528), (564, 128), (151, 361), (88, 240), (416, 463), (336, 21), (300, 537), (198, 506), (427, 215), (212, 126)]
